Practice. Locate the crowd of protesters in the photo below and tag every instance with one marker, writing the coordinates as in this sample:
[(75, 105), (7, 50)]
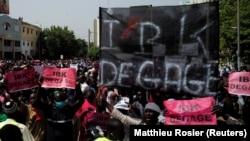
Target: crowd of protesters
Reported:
[(91, 111)]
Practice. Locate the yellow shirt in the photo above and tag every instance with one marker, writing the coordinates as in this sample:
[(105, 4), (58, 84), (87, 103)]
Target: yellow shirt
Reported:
[(102, 139), (27, 136)]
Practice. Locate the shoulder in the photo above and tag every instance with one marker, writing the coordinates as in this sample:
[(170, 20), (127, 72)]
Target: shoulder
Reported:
[(102, 139)]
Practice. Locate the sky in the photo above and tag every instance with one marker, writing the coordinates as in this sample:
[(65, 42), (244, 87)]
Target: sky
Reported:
[(77, 15)]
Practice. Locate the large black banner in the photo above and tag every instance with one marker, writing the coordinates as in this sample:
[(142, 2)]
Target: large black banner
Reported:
[(171, 47)]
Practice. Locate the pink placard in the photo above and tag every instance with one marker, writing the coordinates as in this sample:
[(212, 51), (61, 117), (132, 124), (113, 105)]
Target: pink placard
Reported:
[(59, 77), (239, 83), (21, 80), (190, 112)]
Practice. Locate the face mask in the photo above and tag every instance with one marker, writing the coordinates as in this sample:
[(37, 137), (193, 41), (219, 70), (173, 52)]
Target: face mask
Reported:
[(60, 104)]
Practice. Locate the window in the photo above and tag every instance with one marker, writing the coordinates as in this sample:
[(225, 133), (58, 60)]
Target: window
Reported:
[(7, 43), (23, 29), (17, 43), (31, 31), (6, 26), (28, 30), (23, 43), (16, 28), (31, 44), (32, 52)]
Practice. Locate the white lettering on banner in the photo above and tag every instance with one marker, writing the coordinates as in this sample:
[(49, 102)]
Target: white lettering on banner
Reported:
[(157, 35), (195, 35), (124, 67), (115, 73), (140, 79), (111, 22), (185, 79), (190, 63), (167, 82)]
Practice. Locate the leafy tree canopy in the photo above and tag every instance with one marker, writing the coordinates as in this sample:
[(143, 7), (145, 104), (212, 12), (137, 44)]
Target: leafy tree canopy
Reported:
[(61, 41)]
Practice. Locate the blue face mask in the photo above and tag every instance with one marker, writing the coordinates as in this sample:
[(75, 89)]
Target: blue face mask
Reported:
[(60, 104)]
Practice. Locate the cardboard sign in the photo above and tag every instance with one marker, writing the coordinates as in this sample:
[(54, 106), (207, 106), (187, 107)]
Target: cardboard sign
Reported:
[(190, 112), (239, 83), (21, 80), (59, 77)]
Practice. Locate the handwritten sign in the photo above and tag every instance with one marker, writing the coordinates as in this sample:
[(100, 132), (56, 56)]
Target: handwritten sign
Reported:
[(21, 80), (59, 77), (170, 52), (239, 83), (190, 112)]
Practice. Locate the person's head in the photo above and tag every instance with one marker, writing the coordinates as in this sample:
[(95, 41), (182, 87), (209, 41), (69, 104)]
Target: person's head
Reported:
[(231, 105), (115, 129), (10, 108), (151, 113), (139, 96), (59, 99), (90, 96), (59, 95), (11, 132), (100, 104), (32, 99)]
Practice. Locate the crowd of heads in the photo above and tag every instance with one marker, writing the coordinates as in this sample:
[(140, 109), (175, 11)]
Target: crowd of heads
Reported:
[(144, 105)]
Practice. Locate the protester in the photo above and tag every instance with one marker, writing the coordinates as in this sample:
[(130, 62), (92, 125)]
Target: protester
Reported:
[(115, 130), (6, 116), (4, 95), (59, 114), (65, 110), (89, 104), (12, 110), (151, 113), (35, 119), (10, 132)]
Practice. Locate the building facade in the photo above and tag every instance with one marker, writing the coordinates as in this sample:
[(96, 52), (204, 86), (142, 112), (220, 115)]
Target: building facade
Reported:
[(96, 32), (10, 35), (30, 40), (18, 39), (198, 1)]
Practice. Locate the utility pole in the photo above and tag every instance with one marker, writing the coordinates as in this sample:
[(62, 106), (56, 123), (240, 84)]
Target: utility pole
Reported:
[(238, 36)]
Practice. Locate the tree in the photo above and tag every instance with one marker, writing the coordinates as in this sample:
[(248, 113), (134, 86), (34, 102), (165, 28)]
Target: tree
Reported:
[(93, 52), (228, 30), (61, 41)]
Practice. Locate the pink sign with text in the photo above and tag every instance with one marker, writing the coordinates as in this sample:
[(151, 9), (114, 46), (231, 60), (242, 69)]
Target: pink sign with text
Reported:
[(190, 112)]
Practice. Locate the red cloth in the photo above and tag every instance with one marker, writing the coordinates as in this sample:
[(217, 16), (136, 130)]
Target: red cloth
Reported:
[(38, 116), (85, 106), (150, 98)]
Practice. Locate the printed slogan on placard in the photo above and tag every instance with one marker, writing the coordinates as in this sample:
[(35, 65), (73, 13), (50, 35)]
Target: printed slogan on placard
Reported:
[(239, 83), (190, 112), (59, 77), (21, 80)]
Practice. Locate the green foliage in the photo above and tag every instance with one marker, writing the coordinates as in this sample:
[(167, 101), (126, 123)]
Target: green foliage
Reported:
[(61, 41), (94, 53), (228, 30)]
